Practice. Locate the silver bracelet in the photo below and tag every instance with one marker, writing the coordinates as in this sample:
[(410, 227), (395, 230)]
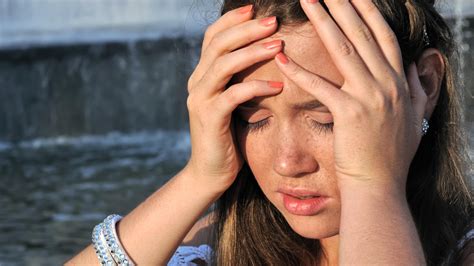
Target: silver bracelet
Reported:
[(115, 247), (100, 246), (107, 244)]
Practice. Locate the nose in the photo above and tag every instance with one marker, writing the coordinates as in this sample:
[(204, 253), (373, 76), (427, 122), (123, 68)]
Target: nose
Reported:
[(294, 157)]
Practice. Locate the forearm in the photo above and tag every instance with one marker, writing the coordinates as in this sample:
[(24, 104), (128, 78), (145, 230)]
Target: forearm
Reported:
[(151, 232), (377, 227)]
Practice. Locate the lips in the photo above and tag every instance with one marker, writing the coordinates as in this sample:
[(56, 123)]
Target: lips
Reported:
[(302, 202), (305, 197), (300, 193)]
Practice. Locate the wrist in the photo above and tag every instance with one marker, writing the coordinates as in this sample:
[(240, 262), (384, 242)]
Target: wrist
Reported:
[(377, 187), (377, 213), (191, 179)]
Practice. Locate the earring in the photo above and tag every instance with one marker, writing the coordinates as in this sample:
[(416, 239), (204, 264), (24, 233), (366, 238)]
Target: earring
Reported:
[(425, 126)]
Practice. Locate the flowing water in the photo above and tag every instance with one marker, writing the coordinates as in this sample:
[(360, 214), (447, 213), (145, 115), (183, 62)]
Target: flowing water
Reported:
[(93, 115), (54, 190)]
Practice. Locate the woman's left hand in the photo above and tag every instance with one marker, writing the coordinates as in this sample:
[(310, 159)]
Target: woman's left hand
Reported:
[(378, 111), (378, 114)]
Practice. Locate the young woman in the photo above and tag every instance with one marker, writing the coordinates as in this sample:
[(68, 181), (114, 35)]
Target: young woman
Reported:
[(309, 127)]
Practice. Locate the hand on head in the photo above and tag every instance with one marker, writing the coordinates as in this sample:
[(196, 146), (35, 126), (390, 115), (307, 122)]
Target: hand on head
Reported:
[(227, 49), (378, 111)]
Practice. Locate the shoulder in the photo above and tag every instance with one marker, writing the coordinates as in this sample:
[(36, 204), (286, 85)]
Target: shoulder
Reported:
[(195, 248), (463, 252), (467, 255), (201, 232), (467, 249)]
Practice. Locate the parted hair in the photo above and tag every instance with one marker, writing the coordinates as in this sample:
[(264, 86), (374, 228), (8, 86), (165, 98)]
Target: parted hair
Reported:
[(251, 231)]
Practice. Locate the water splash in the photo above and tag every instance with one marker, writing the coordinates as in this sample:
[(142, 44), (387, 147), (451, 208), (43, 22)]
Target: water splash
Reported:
[(459, 25)]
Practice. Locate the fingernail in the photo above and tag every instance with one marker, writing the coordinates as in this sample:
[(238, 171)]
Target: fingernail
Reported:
[(312, 1), (268, 21), (275, 84), (272, 45), (282, 58), (245, 9)]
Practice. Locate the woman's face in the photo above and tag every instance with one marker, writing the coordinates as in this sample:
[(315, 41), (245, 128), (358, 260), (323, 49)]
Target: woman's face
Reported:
[(287, 150)]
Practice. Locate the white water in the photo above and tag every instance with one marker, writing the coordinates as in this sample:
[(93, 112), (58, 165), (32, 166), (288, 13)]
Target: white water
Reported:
[(455, 8), (43, 22), (26, 23)]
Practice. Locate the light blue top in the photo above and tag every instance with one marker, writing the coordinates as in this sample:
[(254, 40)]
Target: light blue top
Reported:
[(184, 255)]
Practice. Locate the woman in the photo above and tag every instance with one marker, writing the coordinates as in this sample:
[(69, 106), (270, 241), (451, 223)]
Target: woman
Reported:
[(307, 125)]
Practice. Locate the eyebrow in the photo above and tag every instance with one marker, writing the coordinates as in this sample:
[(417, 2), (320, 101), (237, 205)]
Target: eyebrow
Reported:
[(309, 105), (313, 104)]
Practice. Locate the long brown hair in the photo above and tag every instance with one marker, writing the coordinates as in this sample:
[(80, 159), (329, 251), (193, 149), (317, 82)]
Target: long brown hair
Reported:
[(251, 231)]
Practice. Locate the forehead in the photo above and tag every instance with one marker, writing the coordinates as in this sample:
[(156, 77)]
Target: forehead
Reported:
[(303, 45)]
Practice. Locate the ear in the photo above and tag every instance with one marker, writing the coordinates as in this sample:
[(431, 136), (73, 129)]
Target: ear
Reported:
[(431, 69)]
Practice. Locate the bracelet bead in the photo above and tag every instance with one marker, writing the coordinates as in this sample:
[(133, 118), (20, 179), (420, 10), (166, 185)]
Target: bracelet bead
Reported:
[(115, 247), (100, 246), (107, 245)]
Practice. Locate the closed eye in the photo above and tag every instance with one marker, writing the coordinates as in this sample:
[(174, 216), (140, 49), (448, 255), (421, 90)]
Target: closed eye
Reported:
[(254, 127), (322, 128), (262, 124)]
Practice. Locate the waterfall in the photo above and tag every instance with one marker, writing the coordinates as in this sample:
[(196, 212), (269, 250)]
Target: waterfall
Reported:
[(75, 67), (81, 67)]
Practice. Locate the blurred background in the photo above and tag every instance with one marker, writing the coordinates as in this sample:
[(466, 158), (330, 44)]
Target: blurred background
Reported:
[(93, 112)]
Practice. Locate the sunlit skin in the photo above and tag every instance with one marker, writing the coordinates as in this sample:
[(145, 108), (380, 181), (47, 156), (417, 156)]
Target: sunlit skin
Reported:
[(290, 150)]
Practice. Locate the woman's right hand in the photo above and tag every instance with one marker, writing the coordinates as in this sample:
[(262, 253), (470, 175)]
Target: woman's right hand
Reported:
[(227, 49)]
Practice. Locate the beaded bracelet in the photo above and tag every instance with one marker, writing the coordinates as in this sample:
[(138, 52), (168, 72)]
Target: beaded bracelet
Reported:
[(116, 249), (108, 248), (100, 246)]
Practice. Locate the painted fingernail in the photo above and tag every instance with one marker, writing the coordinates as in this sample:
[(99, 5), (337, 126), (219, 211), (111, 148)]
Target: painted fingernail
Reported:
[(268, 21), (275, 84), (272, 45), (282, 58), (312, 1), (245, 9)]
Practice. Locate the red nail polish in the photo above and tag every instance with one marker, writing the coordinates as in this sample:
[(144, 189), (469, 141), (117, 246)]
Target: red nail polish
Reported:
[(275, 84), (312, 1), (282, 58), (245, 9), (272, 45), (268, 21)]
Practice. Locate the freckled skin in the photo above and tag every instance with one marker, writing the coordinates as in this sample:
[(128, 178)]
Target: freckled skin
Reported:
[(288, 151)]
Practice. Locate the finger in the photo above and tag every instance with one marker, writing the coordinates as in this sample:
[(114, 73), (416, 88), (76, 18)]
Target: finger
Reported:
[(235, 37), (240, 93), (383, 33), (343, 53), (328, 94), (360, 35), (242, 34), (229, 19), (417, 94), (222, 70)]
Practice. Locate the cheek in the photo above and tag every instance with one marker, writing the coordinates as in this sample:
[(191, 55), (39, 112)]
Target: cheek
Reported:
[(257, 150)]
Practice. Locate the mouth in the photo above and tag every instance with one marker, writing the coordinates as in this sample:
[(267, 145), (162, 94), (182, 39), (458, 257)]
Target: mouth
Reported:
[(304, 197), (300, 193), (304, 205), (302, 202)]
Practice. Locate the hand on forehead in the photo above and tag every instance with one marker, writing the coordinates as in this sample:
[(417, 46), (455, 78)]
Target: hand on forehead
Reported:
[(304, 46)]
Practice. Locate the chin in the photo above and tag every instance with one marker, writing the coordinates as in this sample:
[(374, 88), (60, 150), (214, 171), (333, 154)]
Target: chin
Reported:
[(320, 226)]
